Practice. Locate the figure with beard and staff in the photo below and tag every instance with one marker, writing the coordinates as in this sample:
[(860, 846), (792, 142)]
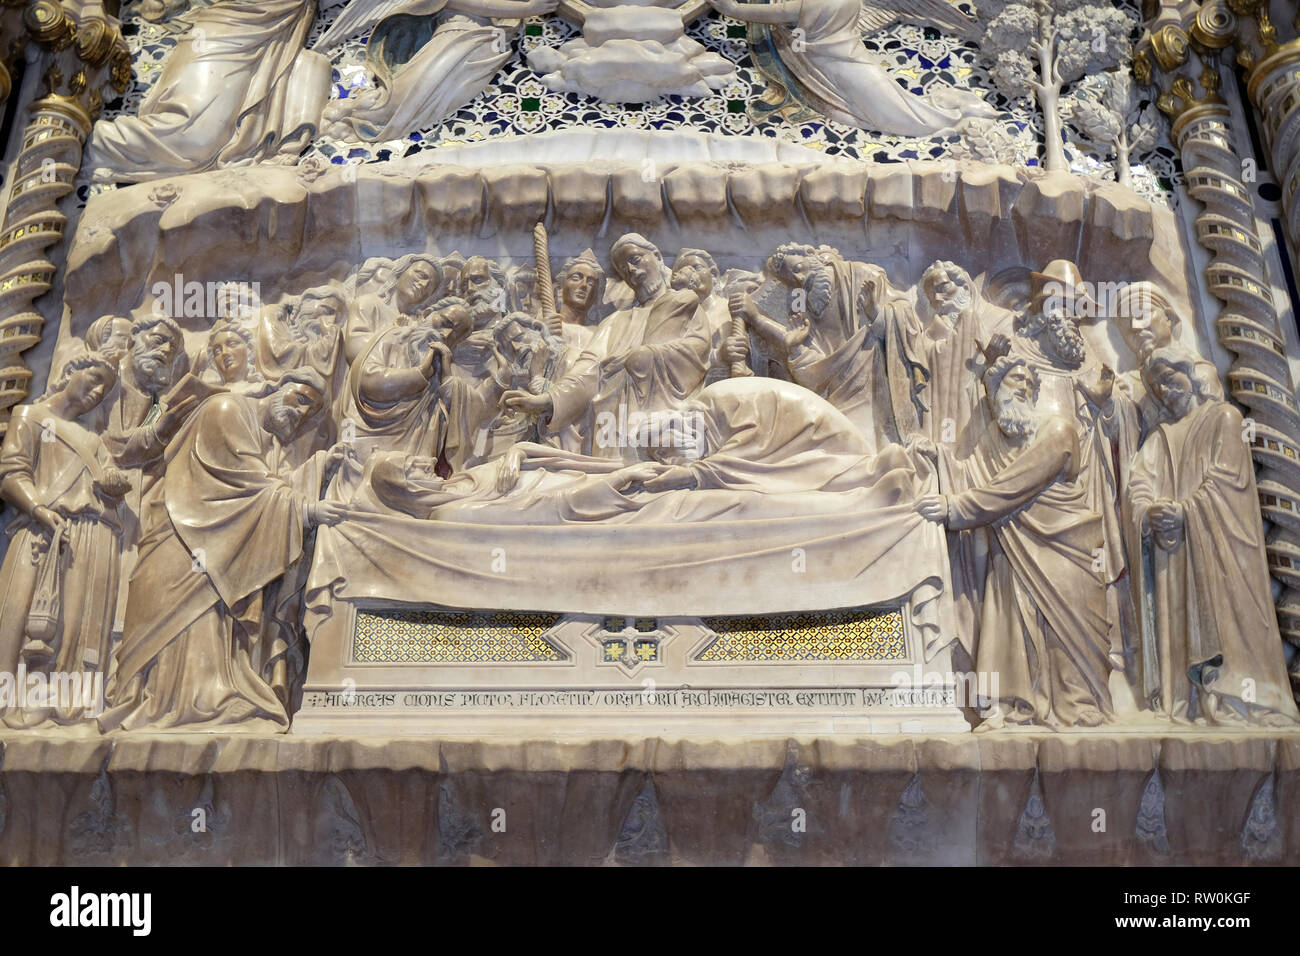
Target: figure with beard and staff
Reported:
[(1043, 628)]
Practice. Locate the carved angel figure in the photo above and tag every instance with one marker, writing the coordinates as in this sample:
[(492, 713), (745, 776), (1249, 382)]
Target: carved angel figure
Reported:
[(424, 70), (815, 50)]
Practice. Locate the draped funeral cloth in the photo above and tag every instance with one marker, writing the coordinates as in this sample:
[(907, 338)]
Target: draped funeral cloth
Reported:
[(599, 392), (222, 527), (425, 70), (864, 363), (61, 469), (1043, 629), (236, 89), (787, 472), (1209, 595), (843, 80)]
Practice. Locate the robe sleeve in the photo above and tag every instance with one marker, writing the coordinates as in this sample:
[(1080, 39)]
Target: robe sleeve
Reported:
[(572, 395), (223, 499), (673, 368), (1230, 475), (1056, 447), (18, 456)]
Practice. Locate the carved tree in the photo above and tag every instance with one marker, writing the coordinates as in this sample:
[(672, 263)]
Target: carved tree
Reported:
[(1110, 118), (1039, 47)]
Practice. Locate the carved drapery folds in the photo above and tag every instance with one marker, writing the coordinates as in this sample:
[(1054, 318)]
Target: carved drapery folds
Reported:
[(1179, 54), (83, 51)]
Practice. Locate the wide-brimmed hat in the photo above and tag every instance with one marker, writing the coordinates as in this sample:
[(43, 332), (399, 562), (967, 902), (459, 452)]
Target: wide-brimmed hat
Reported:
[(1062, 277)]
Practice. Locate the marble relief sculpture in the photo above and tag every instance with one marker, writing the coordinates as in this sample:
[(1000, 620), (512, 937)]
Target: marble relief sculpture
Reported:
[(650, 356), (987, 469), (694, 419), (819, 43), (424, 69), (1044, 625), (239, 88), (1208, 648), (193, 653), (59, 581)]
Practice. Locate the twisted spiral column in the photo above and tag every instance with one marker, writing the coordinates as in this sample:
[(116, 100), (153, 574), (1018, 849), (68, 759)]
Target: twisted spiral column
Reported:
[(45, 169), (1247, 326), (1274, 87), (81, 56)]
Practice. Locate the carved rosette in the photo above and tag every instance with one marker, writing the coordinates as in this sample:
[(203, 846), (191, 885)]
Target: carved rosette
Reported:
[(80, 59), (1180, 59)]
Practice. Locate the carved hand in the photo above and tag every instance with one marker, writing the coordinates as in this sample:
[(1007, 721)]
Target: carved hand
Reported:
[(339, 453), (175, 415), (508, 470), (554, 324), (735, 348), (48, 519), (640, 473), (933, 508), (742, 304), (114, 485), (527, 402), (677, 476), (925, 448), (324, 512)]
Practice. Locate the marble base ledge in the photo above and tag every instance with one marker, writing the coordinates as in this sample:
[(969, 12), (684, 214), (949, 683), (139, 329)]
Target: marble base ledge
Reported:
[(1002, 798)]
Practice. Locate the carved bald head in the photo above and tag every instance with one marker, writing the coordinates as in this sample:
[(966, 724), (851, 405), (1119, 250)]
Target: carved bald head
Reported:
[(640, 264)]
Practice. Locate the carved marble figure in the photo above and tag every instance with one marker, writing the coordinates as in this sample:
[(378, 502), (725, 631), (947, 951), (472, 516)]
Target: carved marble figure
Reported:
[(1044, 629), (238, 88), (819, 43), (196, 619), (59, 581), (1211, 651)]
